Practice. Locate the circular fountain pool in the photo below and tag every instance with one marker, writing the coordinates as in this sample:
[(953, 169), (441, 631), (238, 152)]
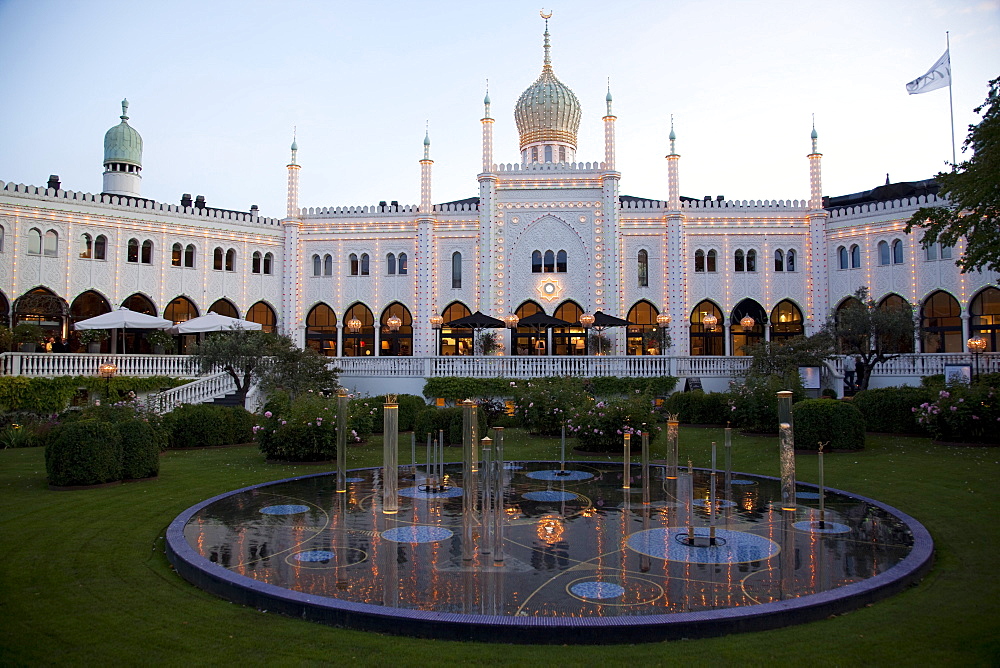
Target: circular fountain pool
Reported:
[(583, 560)]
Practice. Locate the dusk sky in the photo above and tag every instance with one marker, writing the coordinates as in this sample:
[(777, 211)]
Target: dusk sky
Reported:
[(216, 88)]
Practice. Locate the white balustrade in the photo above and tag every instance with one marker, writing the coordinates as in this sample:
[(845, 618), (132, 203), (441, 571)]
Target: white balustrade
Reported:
[(86, 364), (200, 391)]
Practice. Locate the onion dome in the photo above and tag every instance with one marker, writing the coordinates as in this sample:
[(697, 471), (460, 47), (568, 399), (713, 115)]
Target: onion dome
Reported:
[(548, 111), (122, 144)]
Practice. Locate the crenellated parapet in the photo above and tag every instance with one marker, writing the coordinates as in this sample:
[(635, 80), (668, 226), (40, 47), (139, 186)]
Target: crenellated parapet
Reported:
[(866, 210), (132, 204), (380, 210), (746, 204), (550, 167)]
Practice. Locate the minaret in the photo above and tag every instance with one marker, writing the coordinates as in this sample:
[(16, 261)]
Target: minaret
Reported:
[(122, 158), (423, 335), (673, 171), (491, 259), (609, 134), (487, 122), (292, 323), (675, 256), (817, 254)]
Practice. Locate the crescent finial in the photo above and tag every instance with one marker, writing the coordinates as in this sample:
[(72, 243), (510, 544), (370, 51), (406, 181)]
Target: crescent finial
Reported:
[(544, 15)]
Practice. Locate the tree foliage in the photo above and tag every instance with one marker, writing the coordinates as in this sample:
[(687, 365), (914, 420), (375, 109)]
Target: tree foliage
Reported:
[(782, 358), (296, 370), (872, 333), (973, 192), (243, 354)]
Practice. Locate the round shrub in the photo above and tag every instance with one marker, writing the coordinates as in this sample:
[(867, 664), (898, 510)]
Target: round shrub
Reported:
[(207, 425), (85, 452), (837, 424), (542, 404), (698, 407), (601, 426), (409, 406), (305, 429), (140, 449)]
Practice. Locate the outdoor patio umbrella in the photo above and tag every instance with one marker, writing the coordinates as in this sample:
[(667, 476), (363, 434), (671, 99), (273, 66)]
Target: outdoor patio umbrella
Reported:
[(122, 319), (541, 321), (477, 321), (602, 320), (212, 322)]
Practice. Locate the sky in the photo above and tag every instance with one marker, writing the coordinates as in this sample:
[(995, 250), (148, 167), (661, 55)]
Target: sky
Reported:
[(216, 88)]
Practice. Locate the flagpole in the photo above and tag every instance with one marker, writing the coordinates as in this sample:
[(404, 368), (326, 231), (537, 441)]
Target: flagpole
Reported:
[(951, 104)]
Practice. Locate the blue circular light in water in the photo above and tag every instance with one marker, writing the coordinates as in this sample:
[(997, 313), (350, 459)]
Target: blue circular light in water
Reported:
[(742, 482), (314, 555), (560, 475), (596, 589), (286, 509), (549, 495), (417, 534), (740, 547), (417, 493), (354, 479), (828, 527), (806, 495)]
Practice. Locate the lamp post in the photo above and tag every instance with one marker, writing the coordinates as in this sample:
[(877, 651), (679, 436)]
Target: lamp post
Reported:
[(587, 320), (107, 371), (511, 321), (394, 324), (436, 322), (663, 321), (977, 345)]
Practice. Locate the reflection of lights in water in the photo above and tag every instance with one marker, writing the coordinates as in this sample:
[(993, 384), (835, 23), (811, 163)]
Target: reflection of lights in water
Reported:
[(550, 529), (512, 512)]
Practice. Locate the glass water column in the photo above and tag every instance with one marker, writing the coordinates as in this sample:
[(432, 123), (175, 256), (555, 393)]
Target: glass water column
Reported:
[(786, 446), (390, 456), (342, 440)]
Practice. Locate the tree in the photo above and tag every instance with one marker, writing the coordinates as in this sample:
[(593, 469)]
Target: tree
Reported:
[(783, 358), (243, 354), (973, 193), (295, 370), (872, 333)]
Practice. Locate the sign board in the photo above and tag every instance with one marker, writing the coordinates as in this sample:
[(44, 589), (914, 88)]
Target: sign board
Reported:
[(810, 376), (958, 372)]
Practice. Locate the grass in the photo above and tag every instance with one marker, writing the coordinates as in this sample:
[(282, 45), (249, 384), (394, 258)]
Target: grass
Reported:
[(83, 577)]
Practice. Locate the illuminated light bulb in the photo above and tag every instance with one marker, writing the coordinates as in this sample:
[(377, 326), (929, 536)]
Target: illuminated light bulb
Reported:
[(747, 322)]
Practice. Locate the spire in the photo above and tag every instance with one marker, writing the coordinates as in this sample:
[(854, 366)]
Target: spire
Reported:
[(547, 63), (427, 141), (295, 147), (673, 136), (608, 98), (486, 100), (124, 115), (814, 135)]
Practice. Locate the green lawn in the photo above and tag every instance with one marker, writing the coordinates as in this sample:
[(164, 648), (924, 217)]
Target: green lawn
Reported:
[(84, 581)]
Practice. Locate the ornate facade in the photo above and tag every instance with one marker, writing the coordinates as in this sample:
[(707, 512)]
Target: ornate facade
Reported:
[(547, 233)]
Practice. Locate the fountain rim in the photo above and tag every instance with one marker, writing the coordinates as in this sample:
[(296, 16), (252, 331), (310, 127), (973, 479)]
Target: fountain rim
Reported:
[(218, 580)]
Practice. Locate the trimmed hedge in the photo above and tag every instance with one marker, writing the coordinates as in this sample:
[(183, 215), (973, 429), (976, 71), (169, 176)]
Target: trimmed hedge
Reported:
[(140, 449), (84, 452), (890, 409), (459, 388), (206, 425), (409, 406), (432, 419), (53, 395), (699, 407), (838, 424)]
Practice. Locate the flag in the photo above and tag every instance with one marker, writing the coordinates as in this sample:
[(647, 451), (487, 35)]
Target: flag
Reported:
[(938, 76)]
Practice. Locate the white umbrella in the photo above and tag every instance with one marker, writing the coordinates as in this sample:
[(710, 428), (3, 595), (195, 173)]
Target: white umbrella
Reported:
[(123, 318), (212, 322)]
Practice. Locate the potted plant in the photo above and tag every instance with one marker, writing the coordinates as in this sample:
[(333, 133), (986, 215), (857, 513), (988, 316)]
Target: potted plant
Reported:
[(160, 340), (92, 338), (28, 335)]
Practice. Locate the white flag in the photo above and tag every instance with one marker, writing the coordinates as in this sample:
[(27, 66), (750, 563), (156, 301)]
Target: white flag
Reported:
[(938, 76)]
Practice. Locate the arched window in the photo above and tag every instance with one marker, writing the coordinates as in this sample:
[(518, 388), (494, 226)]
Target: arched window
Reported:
[(217, 259), (786, 321), (699, 261), (176, 255), (710, 258), (263, 315), (548, 154), (883, 253), (34, 241), (897, 251), (550, 262), (51, 244), (224, 307), (643, 337), (643, 269), (268, 263), (401, 264), (181, 309), (900, 344), (353, 259), (456, 270), (738, 261), (317, 265), (855, 256), (328, 265), (88, 304), (1, 238), (132, 253), (941, 324), (779, 260), (985, 322), (390, 264), (842, 260), (565, 339), (790, 260), (704, 339), (255, 262), (400, 342), (536, 262), (742, 337), (362, 342), (231, 260), (321, 330), (364, 264), (101, 247), (86, 246), (561, 262), (751, 260), (454, 340), (525, 336), (147, 252), (189, 256)]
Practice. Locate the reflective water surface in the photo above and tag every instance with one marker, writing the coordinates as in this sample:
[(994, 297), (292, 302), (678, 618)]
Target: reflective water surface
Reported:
[(575, 545)]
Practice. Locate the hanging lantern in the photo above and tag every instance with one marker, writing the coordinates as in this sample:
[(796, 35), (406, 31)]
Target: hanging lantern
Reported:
[(709, 320), (977, 344), (587, 320), (354, 325), (747, 322), (436, 321), (511, 320), (663, 320), (394, 323)]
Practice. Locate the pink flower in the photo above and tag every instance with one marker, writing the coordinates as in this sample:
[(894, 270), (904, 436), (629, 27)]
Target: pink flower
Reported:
[(954, 408), (975, 417), (944, 394), (267, 414)]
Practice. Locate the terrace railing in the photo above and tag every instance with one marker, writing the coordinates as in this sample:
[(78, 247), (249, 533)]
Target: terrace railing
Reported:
[(86, 364)]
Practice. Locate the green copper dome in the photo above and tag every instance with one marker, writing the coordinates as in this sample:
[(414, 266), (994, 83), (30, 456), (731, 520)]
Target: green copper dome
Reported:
[(122, 143), (548, 110)]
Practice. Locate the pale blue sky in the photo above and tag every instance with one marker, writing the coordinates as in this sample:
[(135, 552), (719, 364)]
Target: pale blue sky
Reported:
[(216, 87)]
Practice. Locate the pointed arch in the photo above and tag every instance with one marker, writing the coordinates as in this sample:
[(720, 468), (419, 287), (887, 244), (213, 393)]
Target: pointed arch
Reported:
[(262, 314), (140, 303), (524, 337), (941, 324), (786, 321), (894, 302), (4, 310), (43, 307), (643, 336), (224, 307), (565, 339), (741, 337), (985, 317), (180, 309), (362, 342), (321, 330), (455, 340), (704, 340), (400, 342), (87, 304)]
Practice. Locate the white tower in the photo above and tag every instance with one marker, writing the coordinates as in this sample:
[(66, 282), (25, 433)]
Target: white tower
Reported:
[(819, 269), (122, 158), (292, 323)]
